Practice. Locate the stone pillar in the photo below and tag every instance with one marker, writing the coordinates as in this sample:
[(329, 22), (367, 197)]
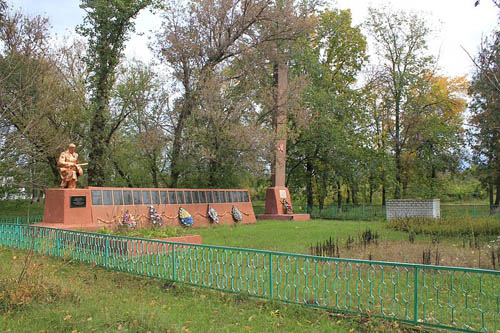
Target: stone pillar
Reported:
[(278, 192), (279, 122)]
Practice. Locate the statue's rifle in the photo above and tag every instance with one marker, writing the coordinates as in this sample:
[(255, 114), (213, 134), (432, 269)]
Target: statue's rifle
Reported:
[(82, 164)]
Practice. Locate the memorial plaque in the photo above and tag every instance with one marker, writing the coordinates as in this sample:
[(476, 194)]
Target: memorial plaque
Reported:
[(96, 197), (79, 201), (196, 197)]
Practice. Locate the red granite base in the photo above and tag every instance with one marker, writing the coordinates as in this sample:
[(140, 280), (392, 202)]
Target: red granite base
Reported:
[(284, 217)]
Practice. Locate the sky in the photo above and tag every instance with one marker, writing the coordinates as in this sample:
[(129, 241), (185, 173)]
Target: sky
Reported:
[(457, 24)]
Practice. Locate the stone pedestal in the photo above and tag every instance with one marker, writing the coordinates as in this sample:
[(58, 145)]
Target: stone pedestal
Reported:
[(68, 207), (274, 206)]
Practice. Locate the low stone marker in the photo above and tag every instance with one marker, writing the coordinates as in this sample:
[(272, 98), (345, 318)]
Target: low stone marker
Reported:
[(402, 208)]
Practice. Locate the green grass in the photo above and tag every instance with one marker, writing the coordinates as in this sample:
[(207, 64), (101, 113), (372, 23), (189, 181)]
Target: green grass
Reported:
[(286, 236), (20, 208), (106, 301)]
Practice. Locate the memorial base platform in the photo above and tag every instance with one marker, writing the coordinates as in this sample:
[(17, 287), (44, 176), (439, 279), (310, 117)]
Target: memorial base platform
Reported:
[(284, 217)]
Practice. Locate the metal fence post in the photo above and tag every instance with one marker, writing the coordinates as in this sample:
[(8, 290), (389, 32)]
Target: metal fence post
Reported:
[(415, 297), (174, 263), (271, 291)]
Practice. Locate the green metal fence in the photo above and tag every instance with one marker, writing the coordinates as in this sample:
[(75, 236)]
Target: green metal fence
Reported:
[(374, 212), (443, 297), (21, 219)]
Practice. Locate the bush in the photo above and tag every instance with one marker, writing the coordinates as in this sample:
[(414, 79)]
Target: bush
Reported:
[(451, 226)]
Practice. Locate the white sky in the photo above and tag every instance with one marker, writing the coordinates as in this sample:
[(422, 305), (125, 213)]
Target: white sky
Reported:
[(458, 23)]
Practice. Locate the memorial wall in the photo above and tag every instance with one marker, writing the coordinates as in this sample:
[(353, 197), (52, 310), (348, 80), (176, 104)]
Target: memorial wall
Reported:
[(96, 207)]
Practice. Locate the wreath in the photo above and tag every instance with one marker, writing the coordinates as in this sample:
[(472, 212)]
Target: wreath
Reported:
[(155, 217), (288, 207), (185, 217)]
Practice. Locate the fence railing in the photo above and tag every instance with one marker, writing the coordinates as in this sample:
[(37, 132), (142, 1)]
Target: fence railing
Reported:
[(21, 219), (443, 297)]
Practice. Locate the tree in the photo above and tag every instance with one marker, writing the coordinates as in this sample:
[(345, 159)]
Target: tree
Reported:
[(485, 134), (138, 154), (198, 40), (401, 41), (436, 138), (107, 26), (326, 151), (37, 104)]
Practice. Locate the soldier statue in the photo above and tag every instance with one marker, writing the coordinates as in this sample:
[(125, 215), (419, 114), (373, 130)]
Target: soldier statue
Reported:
[(69, 167)]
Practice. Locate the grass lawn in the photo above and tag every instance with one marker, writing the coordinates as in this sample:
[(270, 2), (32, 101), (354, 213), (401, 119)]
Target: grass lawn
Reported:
[(85, 298), (20, 208), (142, 304), (295, 237)]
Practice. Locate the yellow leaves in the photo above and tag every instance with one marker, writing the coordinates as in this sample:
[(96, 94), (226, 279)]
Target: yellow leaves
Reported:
[(68, 317)]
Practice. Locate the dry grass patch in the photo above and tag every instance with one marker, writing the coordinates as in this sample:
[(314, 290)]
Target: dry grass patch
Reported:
[(485, 256), (29, 284)]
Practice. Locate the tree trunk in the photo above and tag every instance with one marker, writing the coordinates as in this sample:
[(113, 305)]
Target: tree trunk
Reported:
[(433, 179), (97, 162), (122, 174), (53, 167), (154, 174), (175, 162), (321, 203), (397, 151), (185, 112), (348, 200), (371, 193), (212, 170), (339, 195), (383, 194), (309, 187), (497, 198), (493, 210)]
